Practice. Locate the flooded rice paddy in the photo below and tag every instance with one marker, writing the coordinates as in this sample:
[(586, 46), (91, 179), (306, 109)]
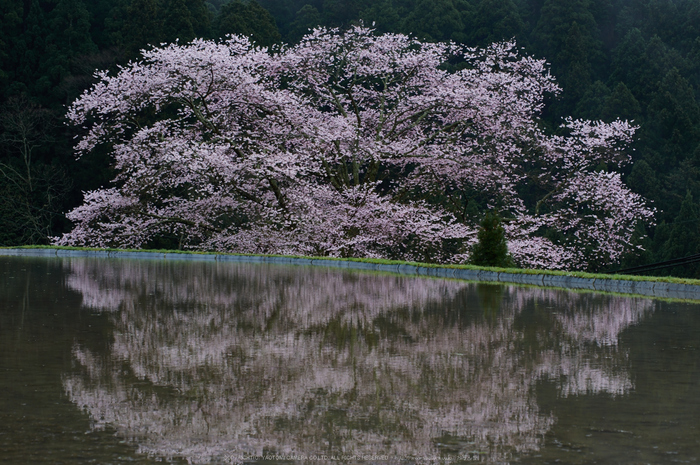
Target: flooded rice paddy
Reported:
[(145, 361)]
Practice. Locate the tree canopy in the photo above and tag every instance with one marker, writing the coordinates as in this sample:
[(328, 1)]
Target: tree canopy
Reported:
[(635, 61), (349, 144)]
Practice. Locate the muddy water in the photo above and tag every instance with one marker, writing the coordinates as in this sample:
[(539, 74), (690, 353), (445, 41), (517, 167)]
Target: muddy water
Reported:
[(138, 361)]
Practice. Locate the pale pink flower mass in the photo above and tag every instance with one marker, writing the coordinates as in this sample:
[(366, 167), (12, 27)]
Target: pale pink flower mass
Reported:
[(350, 144)]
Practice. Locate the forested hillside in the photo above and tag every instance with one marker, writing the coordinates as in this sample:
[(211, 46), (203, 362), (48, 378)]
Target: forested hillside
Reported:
[(630, 59)]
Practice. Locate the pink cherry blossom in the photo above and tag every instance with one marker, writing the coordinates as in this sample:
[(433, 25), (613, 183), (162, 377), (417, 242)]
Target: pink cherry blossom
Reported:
[(350, 144)]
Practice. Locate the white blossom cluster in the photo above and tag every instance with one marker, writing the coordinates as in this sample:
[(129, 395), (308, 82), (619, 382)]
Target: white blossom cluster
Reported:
[(349, 144)]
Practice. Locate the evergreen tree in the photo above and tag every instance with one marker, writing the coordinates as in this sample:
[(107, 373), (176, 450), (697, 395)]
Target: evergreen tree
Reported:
[(143, 26), (689, 31), (623, 105), (683, 238), (661, 235), (630, 63), (660, 59), (27, 54), (109, 26), (248, 19), (553, 28), (434, 20), (339, 13), (68, 44), (628, 18), (592, 104), (201, 17), (604, 13), (663, 19), (567, 34), (693, 58), (576, 72), (100, 12), (674, 117), (639, 257), (283, 12), (491, 250), (306, 19), (185, 20), (643, 180), (177, 22), (382, 15), (494, 21), (10, 26)]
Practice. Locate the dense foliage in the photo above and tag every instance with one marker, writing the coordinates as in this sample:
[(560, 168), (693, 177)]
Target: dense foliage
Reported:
[(633, 60), (491, 248), (349, 144)]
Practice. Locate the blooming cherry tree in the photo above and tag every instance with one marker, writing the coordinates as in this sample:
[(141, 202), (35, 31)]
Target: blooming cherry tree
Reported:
[(350, 144)]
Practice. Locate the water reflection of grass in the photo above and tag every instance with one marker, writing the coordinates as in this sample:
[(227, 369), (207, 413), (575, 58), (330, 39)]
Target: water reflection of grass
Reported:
[(527, 271)]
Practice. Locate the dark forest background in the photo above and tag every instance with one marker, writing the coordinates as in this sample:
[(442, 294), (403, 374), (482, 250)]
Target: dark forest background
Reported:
[(632, 59)]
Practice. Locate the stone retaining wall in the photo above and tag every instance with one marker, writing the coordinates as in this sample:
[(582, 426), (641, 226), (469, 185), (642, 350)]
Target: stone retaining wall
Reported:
[(646, 288)]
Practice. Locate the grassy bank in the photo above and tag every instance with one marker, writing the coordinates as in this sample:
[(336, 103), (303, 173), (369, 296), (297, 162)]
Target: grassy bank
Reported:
[(577, 274)]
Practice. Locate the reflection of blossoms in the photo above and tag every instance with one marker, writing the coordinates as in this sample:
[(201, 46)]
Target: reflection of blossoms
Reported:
[(587, 359), (592, 318), (211, 361)]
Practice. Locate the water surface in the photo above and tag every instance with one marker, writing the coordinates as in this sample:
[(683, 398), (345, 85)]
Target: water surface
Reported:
[(123, 361)]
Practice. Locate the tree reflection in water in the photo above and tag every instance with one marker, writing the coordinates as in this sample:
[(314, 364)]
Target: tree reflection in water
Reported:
[(212, 362)]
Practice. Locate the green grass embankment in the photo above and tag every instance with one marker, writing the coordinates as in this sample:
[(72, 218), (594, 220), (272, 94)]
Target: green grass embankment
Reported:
[(529, 271)]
